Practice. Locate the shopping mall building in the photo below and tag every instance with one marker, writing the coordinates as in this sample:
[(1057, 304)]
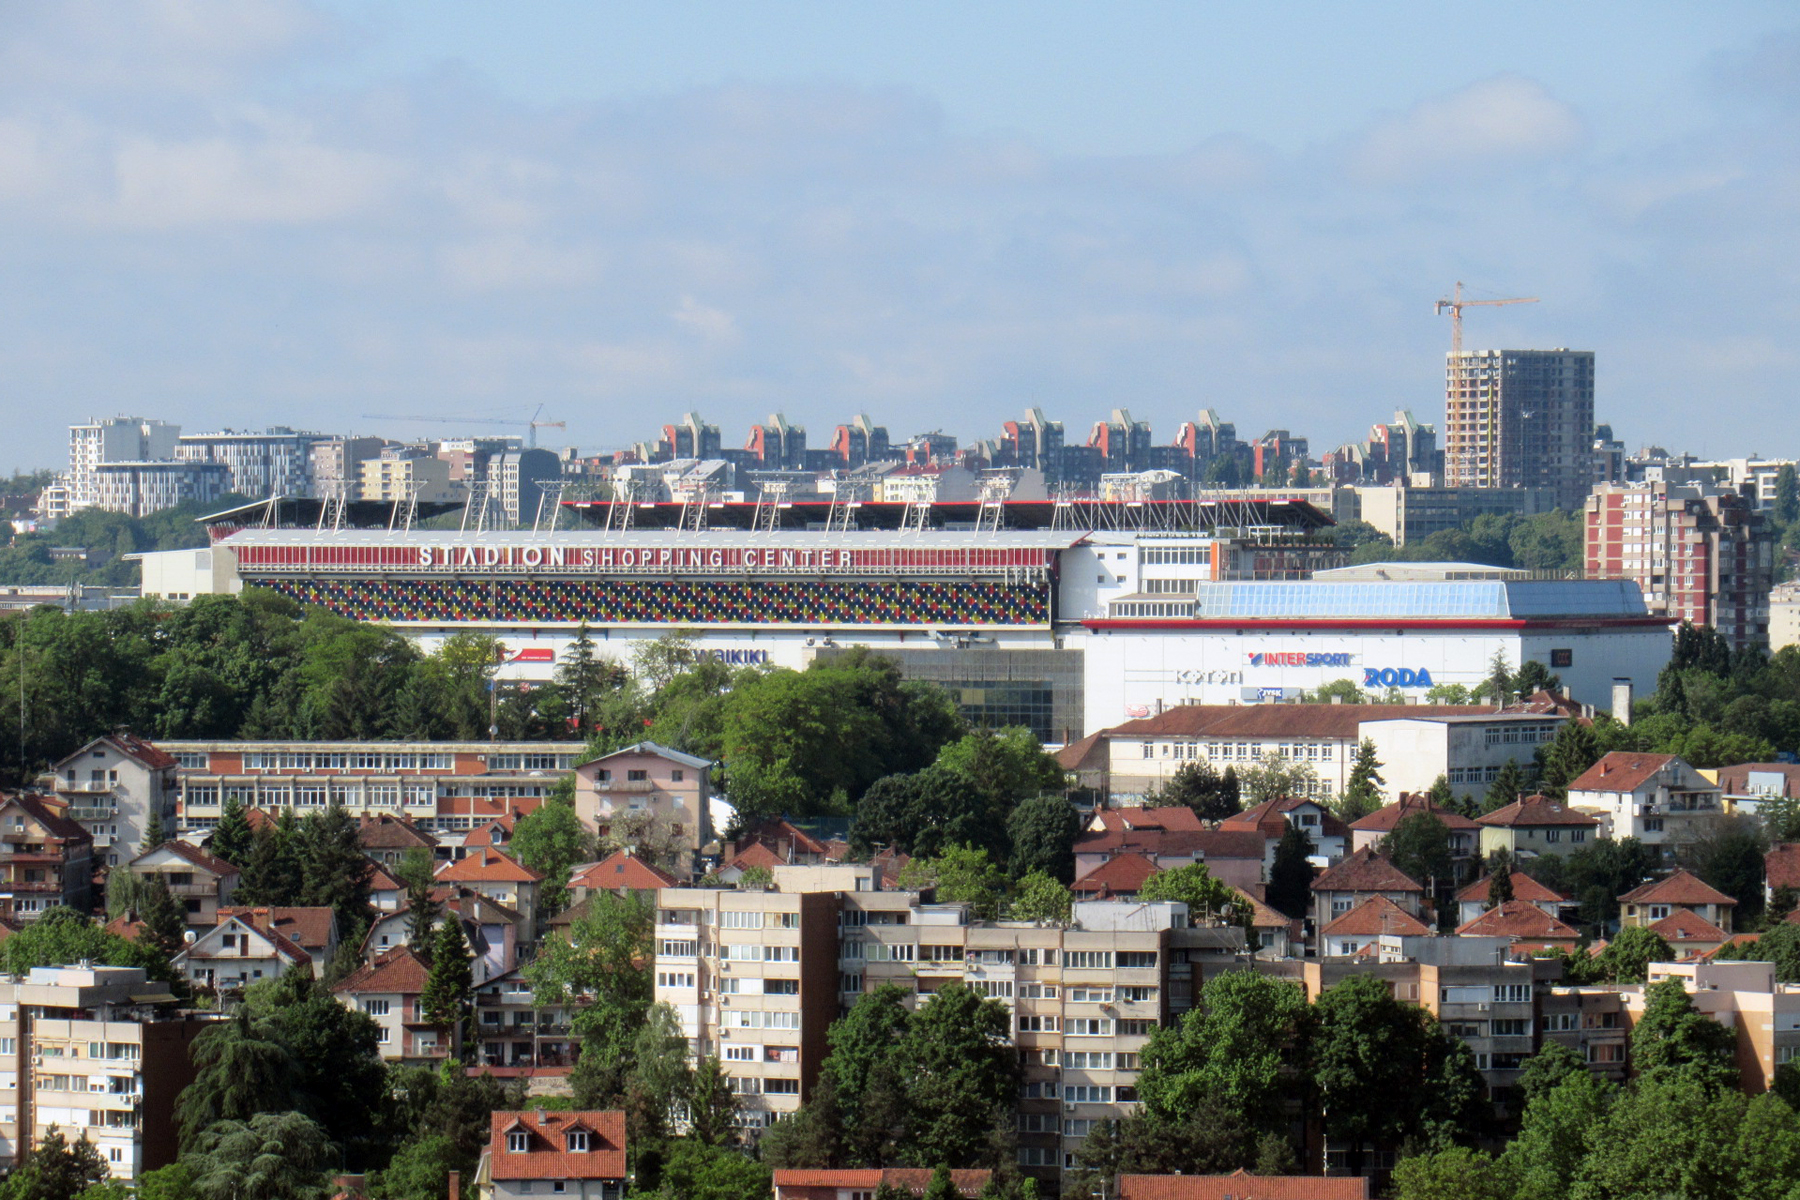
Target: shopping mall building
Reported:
[(1064, 618)]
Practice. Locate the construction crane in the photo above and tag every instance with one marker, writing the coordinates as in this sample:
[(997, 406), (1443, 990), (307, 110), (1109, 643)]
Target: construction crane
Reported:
[(532, 425), (1456, 304)]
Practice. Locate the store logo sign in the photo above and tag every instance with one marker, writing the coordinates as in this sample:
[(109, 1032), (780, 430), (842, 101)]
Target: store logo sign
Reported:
[(1299, 658), (1396, 677)]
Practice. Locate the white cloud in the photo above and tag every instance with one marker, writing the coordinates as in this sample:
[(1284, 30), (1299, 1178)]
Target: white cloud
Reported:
[(1498, 123)]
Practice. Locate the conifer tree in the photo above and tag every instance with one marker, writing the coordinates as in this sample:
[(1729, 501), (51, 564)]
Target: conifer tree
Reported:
[(445, 999), (154, 835), (1362, 794), (1505, 789), (233, 839), (334, 870), (1500, 869), (164, 917)]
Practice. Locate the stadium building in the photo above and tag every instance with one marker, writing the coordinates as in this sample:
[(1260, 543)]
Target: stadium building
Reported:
[(1061, 617)]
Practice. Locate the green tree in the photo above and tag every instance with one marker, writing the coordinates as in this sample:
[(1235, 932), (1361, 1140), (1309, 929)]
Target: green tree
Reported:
[(1420, 847), (1673, 1038), (418, 871), (62, 935), (1564, 1102), (1500, 873), (1767, 1154), (173, 1182), (1042, 833), (712, 1108), (419, 1170), (57, 1169), (1546, 1069), (1628, 956), (445, 1000), (962, 1075), (1194, 886), (1008, 765), (1786, 505), (1040, 897), (271, 1156), (1506, 788), (335, 872), (1453, 1173), (1534, 677), (1664, 1137), (1198, 786), (164, 917), (552, 841), (696, 1171), (601, 958), (1240, 1048), (1290, 876), (940, 1186), (1274, 777), (868, 1084), (241, 1069), (1567, 758), (584, 677), (960, 874), (922, 813), (660, 1083), (1499, 686), (154, 834), (1362, 793), (1780, 945), (1728, 854)]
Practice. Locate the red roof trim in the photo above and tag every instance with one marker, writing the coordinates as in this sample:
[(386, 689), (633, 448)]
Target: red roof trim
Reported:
[(1146, 623)]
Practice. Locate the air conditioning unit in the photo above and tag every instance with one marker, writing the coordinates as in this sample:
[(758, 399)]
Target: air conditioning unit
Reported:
[(1069, 1106), (1483, 1007), (724, 964), (725, 1000)]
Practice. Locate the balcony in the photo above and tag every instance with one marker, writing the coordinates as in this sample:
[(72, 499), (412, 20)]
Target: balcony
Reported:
[(46, 887), (87, 813), (85, 787), (626, 785), (193, 889)]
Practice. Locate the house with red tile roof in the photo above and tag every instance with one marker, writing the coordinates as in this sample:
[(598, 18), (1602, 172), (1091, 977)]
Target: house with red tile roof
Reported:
[(1273, 933), (493, 931), (1168, 816), (1744, 786), (1781, 868), (1330, 836), (1660, 898), (1535, 825), (388, 989), (621, 872), (1366, 924), (386, 837), (754, 856), (1689, 935), (314, 930), (198, 881), (811, 1184), (502, 879), (1360, 877), (1370, 831), (578, 1154), (1525, 924), (1241, 1185), (1233, 855), (783, 839), (1118, 878), (240, 951), (647, 781), (1657, 798), (112, 785), (46, 859), (1472, 901), (386, 892)]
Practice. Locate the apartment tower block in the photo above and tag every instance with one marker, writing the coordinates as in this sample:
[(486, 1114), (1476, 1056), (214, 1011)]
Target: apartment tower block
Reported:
[(1521, 419)]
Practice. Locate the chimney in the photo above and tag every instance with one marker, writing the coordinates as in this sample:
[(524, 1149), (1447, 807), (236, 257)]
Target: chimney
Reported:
[(456, 1185), (1621, 702)]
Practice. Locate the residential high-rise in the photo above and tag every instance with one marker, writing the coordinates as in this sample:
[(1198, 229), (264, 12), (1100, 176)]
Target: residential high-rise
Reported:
[(1696, 553), (277, 462), (138, 489), (1520, 418), (113, 440)]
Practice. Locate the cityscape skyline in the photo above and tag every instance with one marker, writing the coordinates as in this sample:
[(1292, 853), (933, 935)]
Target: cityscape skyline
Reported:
[(317, 212)]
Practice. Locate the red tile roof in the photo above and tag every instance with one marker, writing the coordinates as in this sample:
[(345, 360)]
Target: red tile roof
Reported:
[(1175, 843), (1524, 888), (192, 855), (1681, 887), (1375, 916), (910, 1179), (621, 869), (1241, 1185), (310, 928), (52, 816), (1736, 939), (142, 751), (397, 972), (382, 880), (756, 854), (1621, 771), (127, 927), (487, 865), (1074, 756), (1734, 779), (1384, 819), (1121, 875), (549, 1156), (385, 832), (1685, 925), (483, 834), (1536, 812), (777, 830), (1270, 818), (1172, 816), (1519, 919), (1364, 871), (1782, 865), (283, 946)]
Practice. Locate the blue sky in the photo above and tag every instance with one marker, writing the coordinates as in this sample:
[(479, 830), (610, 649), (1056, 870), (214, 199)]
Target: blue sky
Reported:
[(238, 212)]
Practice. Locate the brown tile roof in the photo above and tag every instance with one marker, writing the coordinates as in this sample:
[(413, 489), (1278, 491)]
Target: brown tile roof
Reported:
[(1364, 871), (1241, 1185), (1285, 720), (1383, 819), (394, 972), (622, 869), (1270, 818), (1262, 916), (52, 816), (1782, 865), (487, 865), (143, 751), (1524, 888), (1375, 916), (1075, 755), (1535, 812), (1681, 887), (1735, 779), (1172, 816), (1736, 939), (1621, 771), (1122, 874), (1175, 843), (310, 928), (192, 855), (777, 830), (483, 834), (384, 832), (127, 927), (756, 854), (284, 947), (549, 1156), (908, 1179), (1685, 925), (383, 880), (1520, 919)]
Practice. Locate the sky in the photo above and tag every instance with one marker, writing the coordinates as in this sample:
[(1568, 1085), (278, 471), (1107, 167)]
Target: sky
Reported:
[(328, 213)]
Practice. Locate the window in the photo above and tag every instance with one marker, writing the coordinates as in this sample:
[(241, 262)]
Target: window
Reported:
[(1089, 960), (375, 1008), (1512, 1027), (637, 776), (781, 1087), (670, 948), (1087, 1093), (677, 776), (1658, 911), (1089, 1060), (1090, 995), (1562, 658), (1136, 1028), (740, 1054), (1087, 1027), (578, 1141), (558, 1187), (740, 920), (781, 987), (1512, 993), (1137, 960)]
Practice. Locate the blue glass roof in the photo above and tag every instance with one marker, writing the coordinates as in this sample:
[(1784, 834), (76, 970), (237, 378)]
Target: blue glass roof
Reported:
[(1493, 599)]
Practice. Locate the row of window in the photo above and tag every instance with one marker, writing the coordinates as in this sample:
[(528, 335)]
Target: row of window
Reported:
[(295, 760)]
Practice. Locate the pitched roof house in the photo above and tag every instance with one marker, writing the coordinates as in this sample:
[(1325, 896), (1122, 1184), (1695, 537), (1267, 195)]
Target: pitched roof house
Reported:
[(1235, 856), (1472, 901), (386, 838), (1371, 830), (195, 878), (534, 1153), (238, 952), (1118, 878), (1367, 923), (1657, 798), (1529, 927), (388, 989), (1534, 825), (47, 859), (500, 878), (1360, 877), (1330, 836), (1661, 898), (314, 930), (621, 872), (811, 1184)]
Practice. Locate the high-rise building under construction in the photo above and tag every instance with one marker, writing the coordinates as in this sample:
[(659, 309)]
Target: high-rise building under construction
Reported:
[(1521, 418)]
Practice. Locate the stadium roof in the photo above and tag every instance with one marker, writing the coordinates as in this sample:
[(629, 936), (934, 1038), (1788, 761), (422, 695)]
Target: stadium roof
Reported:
[(302, 512), (1201, 515), (1500, 599)]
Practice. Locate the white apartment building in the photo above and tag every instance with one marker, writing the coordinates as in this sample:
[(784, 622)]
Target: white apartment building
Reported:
[(757, 978), (94, 1051), (138, 489), (113, 440), (399, 475), (274, 463), (113, 785), (1657, 798)]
